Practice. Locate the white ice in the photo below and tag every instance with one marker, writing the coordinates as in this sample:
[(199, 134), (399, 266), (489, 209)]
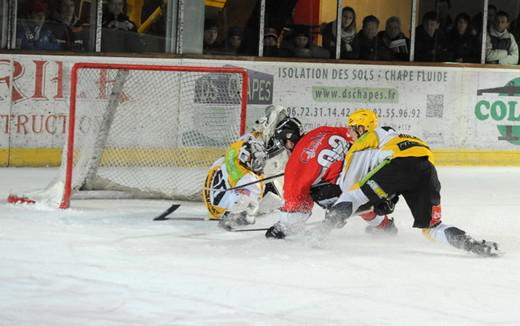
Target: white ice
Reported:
[(106, 262)]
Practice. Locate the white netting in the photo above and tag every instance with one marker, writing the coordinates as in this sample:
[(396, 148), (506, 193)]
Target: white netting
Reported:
[(152, 133)]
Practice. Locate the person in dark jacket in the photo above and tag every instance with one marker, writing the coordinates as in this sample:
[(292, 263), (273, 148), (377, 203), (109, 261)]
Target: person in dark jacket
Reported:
[(114, 18), (430, 43), (66, 26), (33, 31), (119, 32), (367, 38), (463, 46)]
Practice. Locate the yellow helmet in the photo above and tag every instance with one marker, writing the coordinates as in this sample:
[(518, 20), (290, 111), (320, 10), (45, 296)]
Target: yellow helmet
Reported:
[(363, 117)]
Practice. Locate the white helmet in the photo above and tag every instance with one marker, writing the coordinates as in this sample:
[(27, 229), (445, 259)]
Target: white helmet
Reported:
[(267, 125)]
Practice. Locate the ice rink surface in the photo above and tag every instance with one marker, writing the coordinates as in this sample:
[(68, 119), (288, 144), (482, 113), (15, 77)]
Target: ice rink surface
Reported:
[(106, 262)]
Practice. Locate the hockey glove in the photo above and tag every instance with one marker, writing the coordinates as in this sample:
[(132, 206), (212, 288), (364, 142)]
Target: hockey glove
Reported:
[(386, 207), (325, 194), (275, 232)]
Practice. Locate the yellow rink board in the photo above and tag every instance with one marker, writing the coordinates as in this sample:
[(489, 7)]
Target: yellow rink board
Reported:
[(39, 157), (474, 157)]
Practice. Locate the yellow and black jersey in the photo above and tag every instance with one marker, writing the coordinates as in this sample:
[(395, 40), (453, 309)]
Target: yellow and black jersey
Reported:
[(374, 149)]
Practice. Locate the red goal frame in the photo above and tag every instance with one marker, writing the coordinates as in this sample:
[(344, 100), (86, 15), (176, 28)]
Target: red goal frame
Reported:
[(69, 159)]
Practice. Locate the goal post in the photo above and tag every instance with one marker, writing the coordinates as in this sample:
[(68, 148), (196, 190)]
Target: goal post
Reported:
[(145, 131)]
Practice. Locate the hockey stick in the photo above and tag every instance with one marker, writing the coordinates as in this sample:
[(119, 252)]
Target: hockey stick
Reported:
[(249, 230), (168, 211), (174, 207), (249, 183), (265, 229), (186, 218)]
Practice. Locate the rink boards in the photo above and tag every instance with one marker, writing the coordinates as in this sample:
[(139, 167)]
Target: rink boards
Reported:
[(469, 115)]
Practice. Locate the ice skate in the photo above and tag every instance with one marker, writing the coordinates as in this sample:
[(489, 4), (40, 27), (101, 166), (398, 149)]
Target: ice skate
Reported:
[(477, 247), (386, 228)]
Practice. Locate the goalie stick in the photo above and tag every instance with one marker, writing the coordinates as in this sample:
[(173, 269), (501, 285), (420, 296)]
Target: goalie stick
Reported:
[(174, 207), (168, 211), (249, 183)]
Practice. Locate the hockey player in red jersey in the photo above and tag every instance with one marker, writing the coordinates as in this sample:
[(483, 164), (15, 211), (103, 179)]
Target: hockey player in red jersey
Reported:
[(312, 170)]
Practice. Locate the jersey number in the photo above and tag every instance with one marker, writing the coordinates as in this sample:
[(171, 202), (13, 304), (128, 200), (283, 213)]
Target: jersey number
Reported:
[(339, 146)]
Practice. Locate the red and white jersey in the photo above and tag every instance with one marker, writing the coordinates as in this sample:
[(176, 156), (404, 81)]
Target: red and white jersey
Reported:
[(317, 157)]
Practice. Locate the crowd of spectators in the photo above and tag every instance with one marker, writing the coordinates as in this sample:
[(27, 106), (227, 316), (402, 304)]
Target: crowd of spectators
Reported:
[(55, 25), (51, 27), (460, 40), (230, 45), (438, 38)]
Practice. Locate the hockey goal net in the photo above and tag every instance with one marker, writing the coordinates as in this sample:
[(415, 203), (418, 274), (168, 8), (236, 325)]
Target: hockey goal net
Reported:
[(145, 131)]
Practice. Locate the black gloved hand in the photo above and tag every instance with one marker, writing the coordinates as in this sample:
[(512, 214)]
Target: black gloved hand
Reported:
[(275, 232), (325, 194), (387, 206)]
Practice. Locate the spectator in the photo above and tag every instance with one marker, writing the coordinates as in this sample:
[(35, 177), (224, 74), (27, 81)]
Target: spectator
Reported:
[(367, 38), (301, 47), (463, 46), (501, 46), (119, 32), (348, 33), (116, 19), (234, 41), (393, 44), (443, 11), (478, 18), (33, 32), (65, 25), (271, 48), (430, 43), (210, 37)]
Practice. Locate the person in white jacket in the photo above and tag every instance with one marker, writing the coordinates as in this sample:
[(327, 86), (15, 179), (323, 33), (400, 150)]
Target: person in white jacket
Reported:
[(501, 46)]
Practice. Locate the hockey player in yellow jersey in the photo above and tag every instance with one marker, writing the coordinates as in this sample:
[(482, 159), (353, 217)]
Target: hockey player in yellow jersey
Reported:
[(382, 164), (242, 163)]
